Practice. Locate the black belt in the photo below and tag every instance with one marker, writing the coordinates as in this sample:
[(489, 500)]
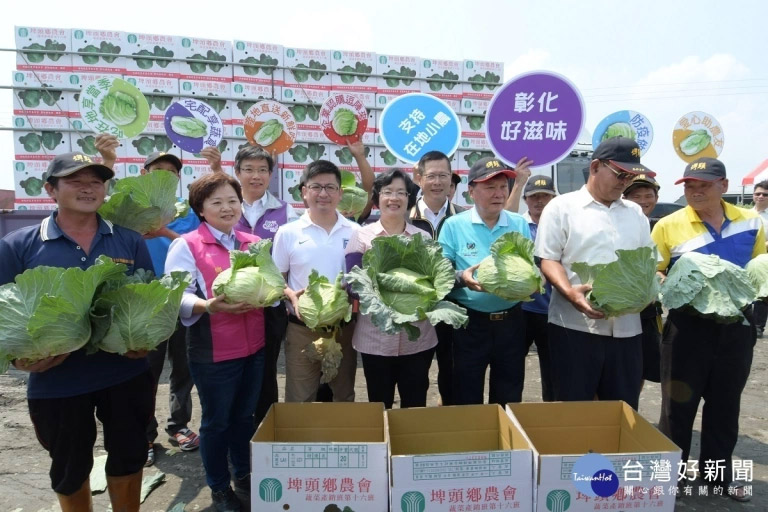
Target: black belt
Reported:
[(496, 316)]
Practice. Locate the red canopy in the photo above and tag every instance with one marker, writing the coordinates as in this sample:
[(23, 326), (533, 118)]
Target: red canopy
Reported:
[(759, 174)]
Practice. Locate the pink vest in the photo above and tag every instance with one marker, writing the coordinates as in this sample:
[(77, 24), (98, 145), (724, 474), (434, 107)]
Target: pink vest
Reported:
[(231, 336)]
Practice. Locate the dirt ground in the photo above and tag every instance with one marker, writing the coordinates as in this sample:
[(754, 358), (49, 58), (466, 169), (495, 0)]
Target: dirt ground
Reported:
[(25, 486)]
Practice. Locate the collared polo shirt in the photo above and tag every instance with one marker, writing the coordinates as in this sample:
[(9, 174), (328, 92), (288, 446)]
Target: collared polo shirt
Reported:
[(253, 211), (466, 241), (46, 244), (158, 246), (741, 236), (427, 213), (302, 246), (575, 227)]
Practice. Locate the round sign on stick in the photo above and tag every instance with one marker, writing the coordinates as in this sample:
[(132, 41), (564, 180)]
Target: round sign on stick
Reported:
[(343, 118), (696, 135), (114, 106), (414, 124), (625, 123), (193, 125), (536, 115), (270, 125)]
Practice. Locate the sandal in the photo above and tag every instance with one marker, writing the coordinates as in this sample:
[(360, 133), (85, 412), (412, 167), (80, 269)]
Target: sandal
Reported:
[(738, 491), (150, 455), (185, 439)]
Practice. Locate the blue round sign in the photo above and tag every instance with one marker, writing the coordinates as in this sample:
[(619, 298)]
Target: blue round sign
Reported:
[(414, 124), (626, 123)]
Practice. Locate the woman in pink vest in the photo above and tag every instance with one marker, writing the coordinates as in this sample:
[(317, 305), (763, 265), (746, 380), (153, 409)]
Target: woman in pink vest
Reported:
[(224, 341)]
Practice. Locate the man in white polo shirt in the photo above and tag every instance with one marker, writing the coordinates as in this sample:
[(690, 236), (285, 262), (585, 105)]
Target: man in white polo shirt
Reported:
[(315, 241), (591, 355)]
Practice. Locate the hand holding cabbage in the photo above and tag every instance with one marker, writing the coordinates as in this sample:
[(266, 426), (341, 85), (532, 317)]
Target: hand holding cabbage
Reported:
[(252, 278), (510, 271), (354, 199)]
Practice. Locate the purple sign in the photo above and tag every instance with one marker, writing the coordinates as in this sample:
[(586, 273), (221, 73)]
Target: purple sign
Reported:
[(193, 124), (535, 115)]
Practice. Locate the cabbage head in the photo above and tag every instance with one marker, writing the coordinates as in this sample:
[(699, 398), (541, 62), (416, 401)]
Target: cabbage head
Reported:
[(119, 107), (696, 142), (189, 126), (324, 305), (344, 122), (757, 269), (252, 277), (626, 285), (619, 130), (403, 280), (143, 203), (45, 311), (354, 199), (510, 271), (708, 286), (136, 312)]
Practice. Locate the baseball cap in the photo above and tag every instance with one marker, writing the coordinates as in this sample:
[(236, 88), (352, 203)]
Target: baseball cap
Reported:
[(624, 153), (703, 169), (539, 183), (488, 167), (642, 180), (69, 163), (159, 155)]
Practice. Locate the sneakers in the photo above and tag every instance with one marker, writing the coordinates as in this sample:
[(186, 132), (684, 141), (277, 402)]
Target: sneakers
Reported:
[(185, 439), (150, 456), (225, 501)]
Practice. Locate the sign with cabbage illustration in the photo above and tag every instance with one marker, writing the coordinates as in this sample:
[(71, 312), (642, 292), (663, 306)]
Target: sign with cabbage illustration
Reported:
[(270, 125), (414, 124), (696, 135), (112, 105), (193, 125), (404, 280), (625, 123), (343, 118)]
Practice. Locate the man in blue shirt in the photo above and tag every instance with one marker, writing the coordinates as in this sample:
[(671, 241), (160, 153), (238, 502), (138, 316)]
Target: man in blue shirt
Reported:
[(65, 390), (495, 335)]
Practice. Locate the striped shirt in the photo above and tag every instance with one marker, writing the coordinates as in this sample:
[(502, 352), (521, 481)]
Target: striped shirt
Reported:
[(741, 236)]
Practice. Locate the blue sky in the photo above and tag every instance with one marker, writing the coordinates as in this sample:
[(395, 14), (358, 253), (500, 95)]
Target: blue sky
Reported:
[(661, 58)]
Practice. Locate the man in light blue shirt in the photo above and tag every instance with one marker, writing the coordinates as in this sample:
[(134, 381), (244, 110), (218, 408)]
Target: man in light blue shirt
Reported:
[(495, 335)]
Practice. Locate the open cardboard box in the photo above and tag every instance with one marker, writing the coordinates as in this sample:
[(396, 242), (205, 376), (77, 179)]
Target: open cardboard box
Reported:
[(446, 457), (640, 456)]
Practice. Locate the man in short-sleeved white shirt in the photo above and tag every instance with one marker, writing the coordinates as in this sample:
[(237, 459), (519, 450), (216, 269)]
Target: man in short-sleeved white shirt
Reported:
[(315, 241), (591, 355)]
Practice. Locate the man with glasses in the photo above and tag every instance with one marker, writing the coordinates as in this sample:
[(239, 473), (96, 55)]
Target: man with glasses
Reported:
[(591, 355), (316, 241), (760, 197)]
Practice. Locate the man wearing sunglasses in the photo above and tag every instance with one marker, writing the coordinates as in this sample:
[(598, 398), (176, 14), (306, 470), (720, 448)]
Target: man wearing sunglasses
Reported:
[(590, 354), (760, 197)]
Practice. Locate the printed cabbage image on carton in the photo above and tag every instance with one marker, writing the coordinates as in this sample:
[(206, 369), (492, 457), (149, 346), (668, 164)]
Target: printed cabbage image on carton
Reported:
[(152, 55), (44, 45), (208, 59), (314, 456), (97, 42), (257, 63)]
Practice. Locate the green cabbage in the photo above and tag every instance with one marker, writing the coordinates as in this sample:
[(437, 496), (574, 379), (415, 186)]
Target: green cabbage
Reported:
[(695, 143), (757, 269), (143, 203), (323, 306), (619, 130), (626, 285), (510, 271), (354, 199), (45, 311), (403, 280), (268, 133), (252, 277), (344, 122), (189, 126), (708, 286), (119, 107), (136, 312)]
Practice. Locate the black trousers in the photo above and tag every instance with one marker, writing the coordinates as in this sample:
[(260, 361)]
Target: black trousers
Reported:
[(410, 373), (444, 356), (537, 331), (275, 323), (760, 313), (585, 365), (495, 340), (703, 359)]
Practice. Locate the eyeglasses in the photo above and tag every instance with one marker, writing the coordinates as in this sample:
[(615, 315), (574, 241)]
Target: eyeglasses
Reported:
[(331, 189), (760, 194), (437, 177), (251, 172), (621, 176), (389, 194)]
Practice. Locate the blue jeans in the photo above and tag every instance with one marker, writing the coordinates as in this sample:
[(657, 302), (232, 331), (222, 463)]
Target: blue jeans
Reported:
[(229, 392)]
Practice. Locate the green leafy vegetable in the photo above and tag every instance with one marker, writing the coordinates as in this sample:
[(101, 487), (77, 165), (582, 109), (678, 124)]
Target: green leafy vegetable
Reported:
[(106, 47), (143, 203), (316, 151), (51, 140), (695, 143), (448, 75), (45, 311), (344, 122), (87, 145), (159, 51), (475, 122), (389, 158), (300, 74), (299, 153), (757, 269), (143, 63), (252, 277), (623, 286), (33, 186), (163, 143), (319, 70), (54, 46), (403, 280), (30, 98), (136, 312), (268, 133), (251, 68), (313, 112), (299, 112), (510, 272), (119, 107), (619, 130), (90, 59), (189, 126), (35, 57), (295, 192), (215, 57), (708, 286), (144, 145), (50, 96), (474, 156), (31, 142), (197, 67), (353, 199), (324, 305)]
